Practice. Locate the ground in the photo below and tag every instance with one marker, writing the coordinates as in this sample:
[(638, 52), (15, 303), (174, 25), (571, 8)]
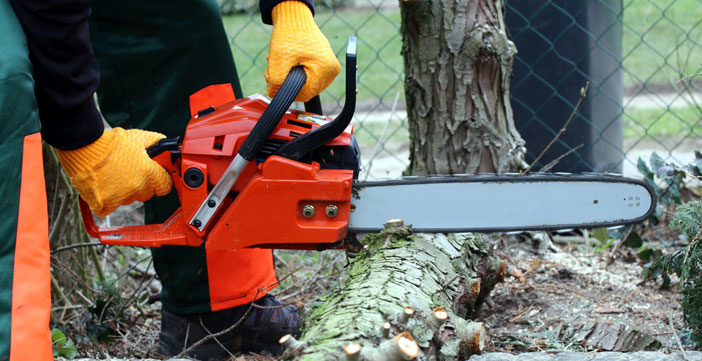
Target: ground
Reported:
[(549, 287), (569, 286)]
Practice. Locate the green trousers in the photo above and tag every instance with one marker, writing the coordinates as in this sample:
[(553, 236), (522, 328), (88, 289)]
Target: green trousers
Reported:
[(25, 298)]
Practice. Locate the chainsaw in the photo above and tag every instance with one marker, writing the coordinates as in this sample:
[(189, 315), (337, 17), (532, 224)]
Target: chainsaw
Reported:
[(254, 173)]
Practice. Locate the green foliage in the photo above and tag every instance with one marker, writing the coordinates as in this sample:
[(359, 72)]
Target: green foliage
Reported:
[(666, 179), (603, 238), (687, 263), (696, 166), (668, 182), (601, 235), (604, 245), (633, 241), (648, 253), (63, 346)]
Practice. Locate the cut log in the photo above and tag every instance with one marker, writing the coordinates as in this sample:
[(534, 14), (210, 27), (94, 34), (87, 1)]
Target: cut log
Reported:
[(405, 296)]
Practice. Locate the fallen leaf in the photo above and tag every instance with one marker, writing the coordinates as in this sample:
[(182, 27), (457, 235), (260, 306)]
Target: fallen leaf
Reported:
[(516, 273)]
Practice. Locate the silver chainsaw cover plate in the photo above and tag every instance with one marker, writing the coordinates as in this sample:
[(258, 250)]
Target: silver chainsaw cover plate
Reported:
[(501, 203)]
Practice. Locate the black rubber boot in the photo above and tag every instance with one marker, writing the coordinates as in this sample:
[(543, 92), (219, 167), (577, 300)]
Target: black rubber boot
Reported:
[(258, 333)]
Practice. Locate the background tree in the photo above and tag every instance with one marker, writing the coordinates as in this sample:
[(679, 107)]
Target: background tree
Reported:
[(458, 62)]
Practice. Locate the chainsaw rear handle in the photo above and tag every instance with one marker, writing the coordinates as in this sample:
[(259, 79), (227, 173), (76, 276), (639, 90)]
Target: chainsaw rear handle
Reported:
[(163, 145), (88, 220)]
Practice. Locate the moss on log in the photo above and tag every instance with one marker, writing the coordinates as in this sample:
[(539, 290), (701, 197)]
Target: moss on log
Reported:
[(405, 296)]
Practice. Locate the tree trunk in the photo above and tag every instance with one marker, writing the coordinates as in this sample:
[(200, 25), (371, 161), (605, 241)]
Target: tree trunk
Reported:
[(458, 61), (405, 296)]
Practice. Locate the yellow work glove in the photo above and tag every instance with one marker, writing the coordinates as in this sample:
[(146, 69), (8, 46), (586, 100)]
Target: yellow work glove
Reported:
[(115, 170), (296, 40)]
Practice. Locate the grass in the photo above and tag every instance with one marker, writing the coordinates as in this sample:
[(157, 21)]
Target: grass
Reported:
[(661, 40), (662, 123), (368, 134)]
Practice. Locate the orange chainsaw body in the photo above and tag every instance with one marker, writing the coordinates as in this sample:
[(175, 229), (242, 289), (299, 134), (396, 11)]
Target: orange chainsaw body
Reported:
[(269, 205)]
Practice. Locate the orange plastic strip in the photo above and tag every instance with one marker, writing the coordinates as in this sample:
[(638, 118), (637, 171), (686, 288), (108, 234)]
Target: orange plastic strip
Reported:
[(237, 276), (211, 96), (30, 338)]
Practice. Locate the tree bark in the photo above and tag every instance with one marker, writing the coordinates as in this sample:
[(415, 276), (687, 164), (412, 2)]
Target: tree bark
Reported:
[(608, 337), (458, 61), (405, 295)]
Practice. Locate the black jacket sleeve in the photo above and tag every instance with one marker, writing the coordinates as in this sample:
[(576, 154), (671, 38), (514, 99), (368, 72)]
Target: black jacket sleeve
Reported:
[(65, 71), (266, 6)]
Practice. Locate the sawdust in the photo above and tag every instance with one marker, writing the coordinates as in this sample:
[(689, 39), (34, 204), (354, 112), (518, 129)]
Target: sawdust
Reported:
[(568, 286)]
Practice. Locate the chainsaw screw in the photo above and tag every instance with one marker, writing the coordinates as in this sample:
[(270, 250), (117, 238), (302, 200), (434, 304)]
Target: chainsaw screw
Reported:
[(211, 203), (308, 211), (332, 211), (197, 223)]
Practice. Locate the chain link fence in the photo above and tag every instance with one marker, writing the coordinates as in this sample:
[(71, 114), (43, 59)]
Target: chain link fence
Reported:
[(642, 58)]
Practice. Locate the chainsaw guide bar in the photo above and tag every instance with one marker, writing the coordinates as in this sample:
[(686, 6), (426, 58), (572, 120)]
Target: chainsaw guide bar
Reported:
[(492, 203)]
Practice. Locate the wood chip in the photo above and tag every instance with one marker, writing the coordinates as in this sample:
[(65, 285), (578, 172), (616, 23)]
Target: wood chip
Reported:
[(610, 310)]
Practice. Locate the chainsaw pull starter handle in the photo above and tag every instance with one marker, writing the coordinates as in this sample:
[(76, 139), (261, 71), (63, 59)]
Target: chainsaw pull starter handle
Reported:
[(274, 112)]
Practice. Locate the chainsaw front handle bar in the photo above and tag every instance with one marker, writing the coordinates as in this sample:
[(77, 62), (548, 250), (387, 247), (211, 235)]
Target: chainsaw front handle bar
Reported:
[(314, 105), (310, 141), (274, 112)]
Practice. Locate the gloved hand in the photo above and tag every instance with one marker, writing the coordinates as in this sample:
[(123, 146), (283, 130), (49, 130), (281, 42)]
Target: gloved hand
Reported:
[(296, 40), (115, 170)]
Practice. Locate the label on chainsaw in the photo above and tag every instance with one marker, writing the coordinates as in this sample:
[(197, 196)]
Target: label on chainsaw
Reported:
[(313, 118), (501, 203)]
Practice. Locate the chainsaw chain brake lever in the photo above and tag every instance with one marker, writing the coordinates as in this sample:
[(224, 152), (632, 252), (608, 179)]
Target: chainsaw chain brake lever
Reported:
[(298, 147)]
